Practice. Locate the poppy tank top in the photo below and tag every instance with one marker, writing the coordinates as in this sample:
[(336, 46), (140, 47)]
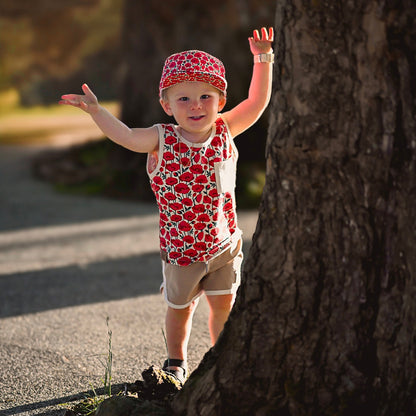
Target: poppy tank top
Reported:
[(194, 186)]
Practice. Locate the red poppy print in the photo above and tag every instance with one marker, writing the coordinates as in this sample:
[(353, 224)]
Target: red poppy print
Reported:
[(190, 252), (176, 206), (171, 181), (200, 226), (203, 218), (214, 250), (228, 206), (215, 231), (185, 161), (181, 188), (184, 226), (209, 238), (168, 156), (180, 147), (187, 202), (184, 261), (199, 208), (170, 139), (188, 239), (189, 215), (197, 188), (177, 243), (173, 167), (195, 220), (213, 193), (201, 179), (196, 169), (170, 196), (210, 152), (216, 141), (201, 246), (186, 177)]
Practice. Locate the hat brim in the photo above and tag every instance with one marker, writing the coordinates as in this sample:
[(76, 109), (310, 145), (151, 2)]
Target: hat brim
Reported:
[(178, 77)]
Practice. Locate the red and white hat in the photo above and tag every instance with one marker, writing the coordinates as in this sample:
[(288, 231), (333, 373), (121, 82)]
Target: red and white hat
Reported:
[(193, 66)]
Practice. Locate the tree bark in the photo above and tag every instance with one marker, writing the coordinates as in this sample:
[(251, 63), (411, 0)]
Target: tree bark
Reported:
[(324, 320)]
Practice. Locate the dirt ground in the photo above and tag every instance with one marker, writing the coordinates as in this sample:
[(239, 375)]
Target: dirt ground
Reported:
[(66, 263)]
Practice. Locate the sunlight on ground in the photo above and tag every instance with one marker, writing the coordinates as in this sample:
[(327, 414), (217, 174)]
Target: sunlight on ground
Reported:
[(56, 124), (77, 244)]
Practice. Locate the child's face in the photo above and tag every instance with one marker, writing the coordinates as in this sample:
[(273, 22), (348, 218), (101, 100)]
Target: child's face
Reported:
[(195, 106)]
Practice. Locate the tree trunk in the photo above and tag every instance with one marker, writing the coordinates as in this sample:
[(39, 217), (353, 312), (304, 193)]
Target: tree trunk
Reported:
[(324, 322)]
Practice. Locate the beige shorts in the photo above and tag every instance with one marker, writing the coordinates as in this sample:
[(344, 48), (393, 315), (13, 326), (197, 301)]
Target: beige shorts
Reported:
[(218, 276)]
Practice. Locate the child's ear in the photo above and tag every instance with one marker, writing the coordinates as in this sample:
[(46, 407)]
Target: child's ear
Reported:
[(166, 106), (222, 102)]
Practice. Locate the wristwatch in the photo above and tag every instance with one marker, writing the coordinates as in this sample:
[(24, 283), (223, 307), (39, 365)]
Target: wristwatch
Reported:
[(264, 57)]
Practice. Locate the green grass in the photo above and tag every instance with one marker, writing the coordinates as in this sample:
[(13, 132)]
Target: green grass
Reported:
[(9, 105), (41, 124), (89, 405)]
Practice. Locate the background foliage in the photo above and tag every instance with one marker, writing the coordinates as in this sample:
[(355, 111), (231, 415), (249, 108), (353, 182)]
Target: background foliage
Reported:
[(51, 47)]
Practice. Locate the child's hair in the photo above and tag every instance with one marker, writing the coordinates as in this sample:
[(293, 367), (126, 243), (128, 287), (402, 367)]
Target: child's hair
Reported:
[(192, 66)]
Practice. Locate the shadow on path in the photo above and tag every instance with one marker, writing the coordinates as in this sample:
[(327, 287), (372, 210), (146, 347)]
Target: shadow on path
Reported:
[(60, 401), (36, 291)]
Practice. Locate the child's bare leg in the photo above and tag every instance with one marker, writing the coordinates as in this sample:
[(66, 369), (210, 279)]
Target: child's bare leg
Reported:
[(219, 309), (178, 330)]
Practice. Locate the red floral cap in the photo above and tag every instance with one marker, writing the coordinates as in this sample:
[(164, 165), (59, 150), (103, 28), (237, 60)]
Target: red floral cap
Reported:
[(193, 66)]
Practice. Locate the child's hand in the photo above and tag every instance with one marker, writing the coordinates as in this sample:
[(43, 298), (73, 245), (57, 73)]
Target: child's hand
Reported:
[(87, 102), (263, 45)]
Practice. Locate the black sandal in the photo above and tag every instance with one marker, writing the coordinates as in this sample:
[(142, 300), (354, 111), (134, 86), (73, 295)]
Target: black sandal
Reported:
[(180, 374)]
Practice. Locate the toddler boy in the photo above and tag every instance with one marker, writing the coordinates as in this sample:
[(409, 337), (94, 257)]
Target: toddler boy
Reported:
[(192, 171)]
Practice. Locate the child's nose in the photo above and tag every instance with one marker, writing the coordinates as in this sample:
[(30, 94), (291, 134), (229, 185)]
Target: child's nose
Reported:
[(196, 104)]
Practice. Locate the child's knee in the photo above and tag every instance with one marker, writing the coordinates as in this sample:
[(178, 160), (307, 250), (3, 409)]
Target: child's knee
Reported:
[(221, 302)]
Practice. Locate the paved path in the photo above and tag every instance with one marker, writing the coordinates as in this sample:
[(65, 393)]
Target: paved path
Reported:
[(66, 263)]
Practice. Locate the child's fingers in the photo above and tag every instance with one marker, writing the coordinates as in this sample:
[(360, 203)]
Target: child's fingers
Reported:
[(267, 35), (271, 34), (70, 99), (87, 91)]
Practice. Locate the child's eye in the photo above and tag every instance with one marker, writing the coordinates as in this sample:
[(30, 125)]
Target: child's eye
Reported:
[(205, 96), (183, 99)]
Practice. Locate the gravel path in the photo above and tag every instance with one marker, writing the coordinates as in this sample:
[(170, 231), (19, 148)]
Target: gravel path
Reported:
[(66, 264)]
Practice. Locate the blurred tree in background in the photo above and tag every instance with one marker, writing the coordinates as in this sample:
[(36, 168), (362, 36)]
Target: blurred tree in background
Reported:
[(49, 46), (152, 31), (118, 47)]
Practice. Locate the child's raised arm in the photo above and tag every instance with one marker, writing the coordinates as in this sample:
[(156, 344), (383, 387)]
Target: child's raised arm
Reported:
[(246, 113), (142, 140)]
